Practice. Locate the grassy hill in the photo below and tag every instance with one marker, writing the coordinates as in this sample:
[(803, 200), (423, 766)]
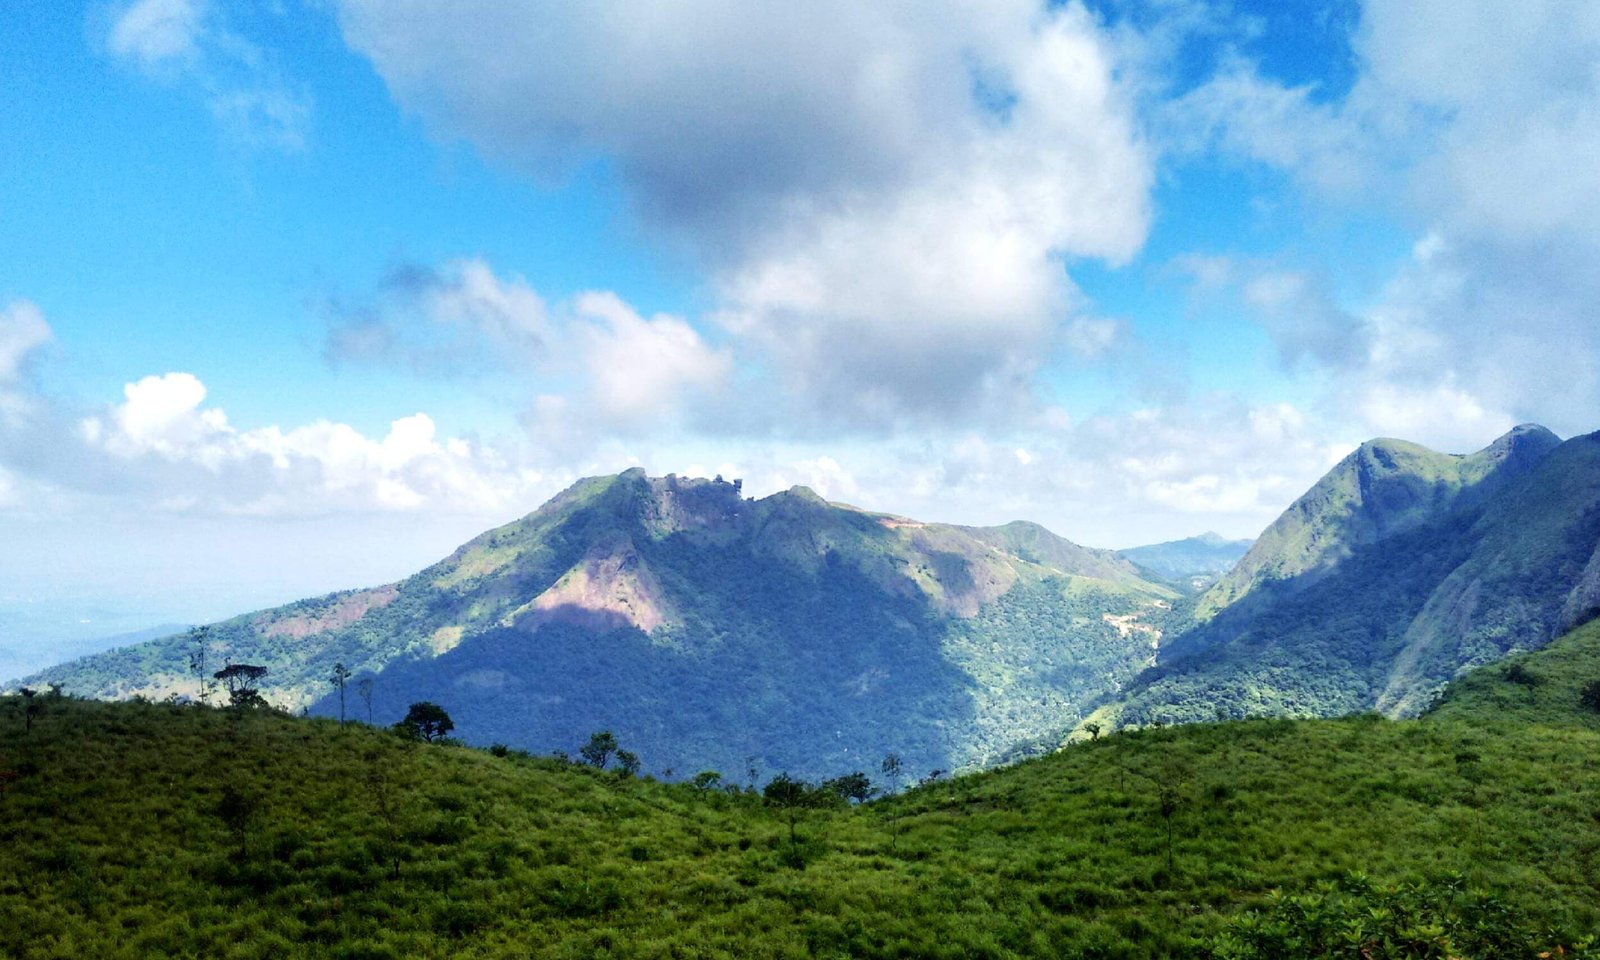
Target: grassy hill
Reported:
[(708, 629), (141, 830)]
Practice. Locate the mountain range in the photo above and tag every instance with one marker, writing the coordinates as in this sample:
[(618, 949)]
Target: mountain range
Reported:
[(710, 630)]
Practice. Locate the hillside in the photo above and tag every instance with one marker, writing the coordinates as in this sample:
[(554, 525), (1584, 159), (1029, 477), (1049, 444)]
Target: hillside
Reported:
[(1383, 583), (1191, 560), (143, 830), (708, 630)]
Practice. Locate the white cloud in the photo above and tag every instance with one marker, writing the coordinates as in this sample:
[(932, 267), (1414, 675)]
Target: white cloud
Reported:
[(241, 83), (885, 194), (23, 331), (1478, 121), (640, 369), (461, 318), (157, 31), (193, 459)]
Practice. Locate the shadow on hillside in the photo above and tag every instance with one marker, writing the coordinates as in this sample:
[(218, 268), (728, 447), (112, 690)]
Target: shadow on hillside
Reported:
[(815, 674)]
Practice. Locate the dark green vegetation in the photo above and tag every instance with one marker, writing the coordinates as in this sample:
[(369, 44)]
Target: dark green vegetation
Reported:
[(137, 829), (1398, 571), (706, 630), (1192, 560)]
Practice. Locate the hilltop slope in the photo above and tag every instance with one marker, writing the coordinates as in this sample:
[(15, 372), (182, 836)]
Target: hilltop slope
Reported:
[(709, 630), (119, 839)]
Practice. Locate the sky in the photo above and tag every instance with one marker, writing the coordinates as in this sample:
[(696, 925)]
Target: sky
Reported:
[(298, 295)]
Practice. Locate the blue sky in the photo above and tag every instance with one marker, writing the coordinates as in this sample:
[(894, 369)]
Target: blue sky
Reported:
[(375, 276)]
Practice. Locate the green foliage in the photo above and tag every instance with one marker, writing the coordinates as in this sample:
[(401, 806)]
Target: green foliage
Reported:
[(599, 749), (360, 844), (1352, 918), (1589, 698), (425, 721)]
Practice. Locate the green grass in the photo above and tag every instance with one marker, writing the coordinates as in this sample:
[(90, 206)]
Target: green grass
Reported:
[(111, 844)]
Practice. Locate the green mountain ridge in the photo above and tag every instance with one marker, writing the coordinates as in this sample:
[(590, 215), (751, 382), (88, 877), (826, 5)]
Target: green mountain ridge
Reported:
[(709, 630), (1397, 572)]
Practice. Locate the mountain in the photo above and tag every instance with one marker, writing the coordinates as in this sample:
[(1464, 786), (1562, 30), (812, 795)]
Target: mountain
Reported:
[(1396, 572), (1384, 488), (1192, 560), (708, 630)]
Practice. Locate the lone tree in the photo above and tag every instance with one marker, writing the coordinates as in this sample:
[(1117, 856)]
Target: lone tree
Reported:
[(1094, 731), (199, 640), (851, 787), (1171, 783), (241, 680), (599, 749), (892, 771), (426, 721), (341, 673), (31, 708), (628, 762), (364, 689), (1590, 697), (1523, 677), (792, 796), (236, 809)]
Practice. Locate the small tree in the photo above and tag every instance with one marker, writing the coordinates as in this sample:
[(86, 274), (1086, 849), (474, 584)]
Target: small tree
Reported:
[(425, 721), (892, 771), (241, 680), (792, 796), (706, 780), (628, 762), (236, 809), (340, 675), (1523, 677), (31, 708), (1590, 697), (199, 640), (1094, 731), (364, 688), (851, 787), (599, 749), (1171, 783)]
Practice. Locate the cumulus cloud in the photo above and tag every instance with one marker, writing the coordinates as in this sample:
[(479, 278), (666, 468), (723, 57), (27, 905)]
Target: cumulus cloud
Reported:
[(193, 459), (885, 194), (243, 86), (640, 369)]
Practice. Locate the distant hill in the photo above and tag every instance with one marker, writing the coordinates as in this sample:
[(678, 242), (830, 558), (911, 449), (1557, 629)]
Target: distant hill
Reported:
[(1202, 558), (1395, 573), (709, 630)]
